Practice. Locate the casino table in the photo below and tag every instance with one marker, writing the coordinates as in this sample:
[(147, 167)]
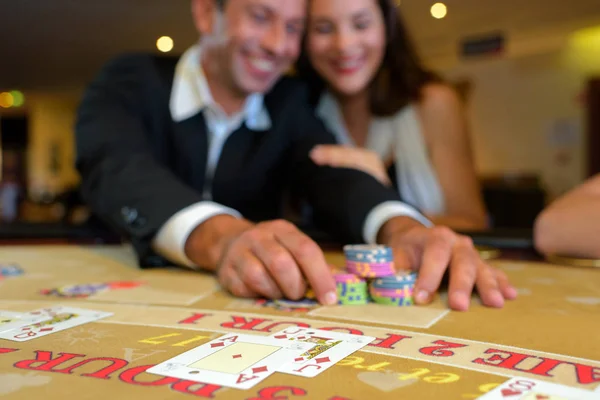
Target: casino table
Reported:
[(550, 333)]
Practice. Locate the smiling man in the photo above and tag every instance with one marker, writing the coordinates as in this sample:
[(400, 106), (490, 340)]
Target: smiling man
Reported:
[(189, 158)]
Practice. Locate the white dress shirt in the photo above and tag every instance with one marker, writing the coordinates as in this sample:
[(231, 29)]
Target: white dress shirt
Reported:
[(191, 95), (399, 137)]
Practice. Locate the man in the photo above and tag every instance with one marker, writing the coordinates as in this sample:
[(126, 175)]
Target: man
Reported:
[(190, 161), (569, 226)]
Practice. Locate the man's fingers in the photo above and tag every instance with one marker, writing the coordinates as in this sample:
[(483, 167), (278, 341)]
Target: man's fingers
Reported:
[(464, 272), (507, 290), (282, 267), (230, 281), (435, 260), (310, 259), (254, 275), (405, 258), (487, 286)]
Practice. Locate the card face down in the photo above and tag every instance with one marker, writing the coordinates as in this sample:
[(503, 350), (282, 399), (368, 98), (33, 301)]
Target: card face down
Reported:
[(330, 348), (533, 389), (234, 360), (53, 320)]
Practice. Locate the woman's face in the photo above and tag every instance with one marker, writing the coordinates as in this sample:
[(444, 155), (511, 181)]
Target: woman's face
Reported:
[(346, 42)]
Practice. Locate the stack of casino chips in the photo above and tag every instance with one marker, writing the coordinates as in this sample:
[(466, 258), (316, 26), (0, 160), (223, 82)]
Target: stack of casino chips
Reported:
[(351, 289), (394, 290), (369, 261), (374, 265), (10, 270)]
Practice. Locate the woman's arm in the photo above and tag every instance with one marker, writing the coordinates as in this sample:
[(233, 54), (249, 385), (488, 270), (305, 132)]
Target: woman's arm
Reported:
[(446, 133), (571, 224)]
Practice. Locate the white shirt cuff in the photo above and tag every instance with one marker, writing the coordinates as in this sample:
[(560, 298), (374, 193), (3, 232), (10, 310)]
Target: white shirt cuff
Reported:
[(170, 240), (386, 211)]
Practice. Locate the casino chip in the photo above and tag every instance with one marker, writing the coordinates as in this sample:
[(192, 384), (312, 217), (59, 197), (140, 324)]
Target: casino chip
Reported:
[(370, 276), (351, 289), (368, 261), (394, 290), (76, 291), (10, 270)]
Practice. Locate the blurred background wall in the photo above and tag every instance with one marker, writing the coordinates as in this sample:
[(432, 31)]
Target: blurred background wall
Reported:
[(524, 67)]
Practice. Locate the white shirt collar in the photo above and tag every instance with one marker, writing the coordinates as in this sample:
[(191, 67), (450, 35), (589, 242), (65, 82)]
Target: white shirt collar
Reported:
[(191, 94), (329, 112)]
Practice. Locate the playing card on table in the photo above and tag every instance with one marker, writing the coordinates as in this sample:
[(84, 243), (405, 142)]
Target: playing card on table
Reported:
[(330, 348), (533, 389), (10, 320), (234, 360), (54, 319)]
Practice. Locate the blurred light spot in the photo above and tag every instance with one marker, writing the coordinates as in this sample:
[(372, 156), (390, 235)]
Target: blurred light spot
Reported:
[(165, 44), (439, 10), (6, 100), (583, 51), (18, 98), (585, 38)]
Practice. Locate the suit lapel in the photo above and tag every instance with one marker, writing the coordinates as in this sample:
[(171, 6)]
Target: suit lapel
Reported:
[(191, 147)]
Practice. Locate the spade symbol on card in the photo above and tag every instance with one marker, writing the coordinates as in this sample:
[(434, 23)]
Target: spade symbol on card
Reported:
[(510, 392)]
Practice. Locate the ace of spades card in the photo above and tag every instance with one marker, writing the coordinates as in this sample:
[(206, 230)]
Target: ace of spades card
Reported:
[(330, 348), (234, 360)]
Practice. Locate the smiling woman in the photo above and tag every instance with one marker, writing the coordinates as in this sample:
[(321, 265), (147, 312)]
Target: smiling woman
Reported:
[(405, 126)]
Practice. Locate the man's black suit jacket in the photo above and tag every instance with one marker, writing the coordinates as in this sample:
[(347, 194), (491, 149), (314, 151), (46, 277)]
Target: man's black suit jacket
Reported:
[(139, 167)]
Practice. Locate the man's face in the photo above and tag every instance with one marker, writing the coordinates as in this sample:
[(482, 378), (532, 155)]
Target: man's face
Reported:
[(251, 43)]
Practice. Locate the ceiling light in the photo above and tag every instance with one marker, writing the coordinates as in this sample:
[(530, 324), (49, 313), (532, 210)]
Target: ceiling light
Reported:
[(439, 10), (6, 100), (18, 98), (164, 44)]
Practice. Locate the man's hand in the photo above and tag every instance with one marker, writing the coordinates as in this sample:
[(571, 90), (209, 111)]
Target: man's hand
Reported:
[(271, 259), (432, 251)]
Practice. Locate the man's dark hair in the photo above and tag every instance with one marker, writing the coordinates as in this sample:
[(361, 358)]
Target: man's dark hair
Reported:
[(221, 3), (400, 78)]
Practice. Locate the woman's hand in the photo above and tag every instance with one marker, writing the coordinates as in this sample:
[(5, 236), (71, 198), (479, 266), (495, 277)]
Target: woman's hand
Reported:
[(351, 157)]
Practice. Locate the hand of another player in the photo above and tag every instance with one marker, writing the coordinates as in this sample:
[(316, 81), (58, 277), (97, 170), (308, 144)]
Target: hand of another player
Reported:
[(270, 259), (350, 157), (432, 251)]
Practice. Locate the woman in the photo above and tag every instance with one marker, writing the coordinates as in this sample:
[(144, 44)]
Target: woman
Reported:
[(569, 225), (392, 118)]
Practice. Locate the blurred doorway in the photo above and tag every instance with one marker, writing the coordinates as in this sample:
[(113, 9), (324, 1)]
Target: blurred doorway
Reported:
[(14, 133), (593, 126)]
